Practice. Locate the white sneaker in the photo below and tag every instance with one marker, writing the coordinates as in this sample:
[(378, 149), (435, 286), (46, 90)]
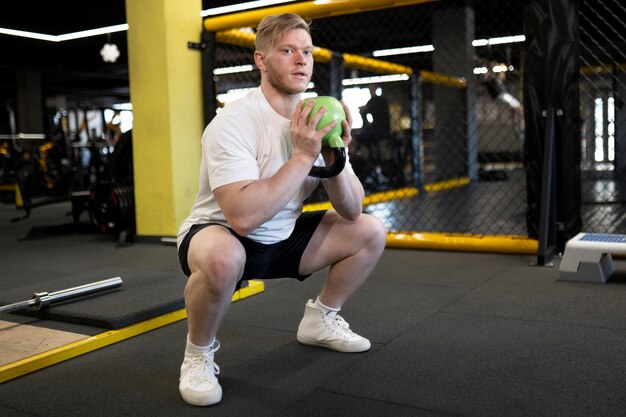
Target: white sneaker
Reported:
[(198, 383), (329, 330)]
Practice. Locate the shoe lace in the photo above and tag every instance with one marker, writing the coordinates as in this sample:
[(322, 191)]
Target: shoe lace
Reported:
[(203, 365), (340, 324)]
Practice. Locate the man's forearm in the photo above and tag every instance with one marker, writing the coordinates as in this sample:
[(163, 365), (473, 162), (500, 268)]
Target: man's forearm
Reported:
[(249, 205), (346, 194)]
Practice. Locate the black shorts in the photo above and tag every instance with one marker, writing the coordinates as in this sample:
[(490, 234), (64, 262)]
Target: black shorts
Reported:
[(278, 260)]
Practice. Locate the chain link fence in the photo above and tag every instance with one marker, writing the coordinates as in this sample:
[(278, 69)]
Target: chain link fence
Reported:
[(435, 92), (603, 127)]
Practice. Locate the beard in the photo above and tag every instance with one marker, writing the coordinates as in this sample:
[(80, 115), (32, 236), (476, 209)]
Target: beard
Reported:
[(281, 83)]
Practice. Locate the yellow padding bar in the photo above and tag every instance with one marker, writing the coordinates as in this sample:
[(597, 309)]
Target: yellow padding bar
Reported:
[(369, 199), (89, 344), (396, 194), (236, 37), (308, 10), (444, 185), (374, 65), (462, 242), (441, 79)]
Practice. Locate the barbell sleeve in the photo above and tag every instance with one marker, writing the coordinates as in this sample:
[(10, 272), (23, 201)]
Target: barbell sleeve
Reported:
[(44, 299)]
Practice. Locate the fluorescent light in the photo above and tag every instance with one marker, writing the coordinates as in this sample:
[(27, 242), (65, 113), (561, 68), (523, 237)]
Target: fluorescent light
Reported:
[(375, 80), (430, 48), (496, 68), (480, 70), (122, 106), (498, 41), (123, 27), (32, 35), (233, 70), (404, 51), (93, 32), (499, 68), (67, 36), (243, 6)]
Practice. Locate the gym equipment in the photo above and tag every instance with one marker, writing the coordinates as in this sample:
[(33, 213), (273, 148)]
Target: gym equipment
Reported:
[(43, 299), (112, 207), (587, 257), (334, 112)]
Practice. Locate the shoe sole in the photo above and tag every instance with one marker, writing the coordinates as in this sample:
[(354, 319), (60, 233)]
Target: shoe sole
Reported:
[(213, 399), (312, 342)]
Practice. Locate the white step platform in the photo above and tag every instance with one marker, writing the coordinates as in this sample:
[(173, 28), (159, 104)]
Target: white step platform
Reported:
[(587, 257)]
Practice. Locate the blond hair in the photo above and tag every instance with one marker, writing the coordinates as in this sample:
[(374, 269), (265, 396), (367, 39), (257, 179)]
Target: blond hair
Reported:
[(273, 27)]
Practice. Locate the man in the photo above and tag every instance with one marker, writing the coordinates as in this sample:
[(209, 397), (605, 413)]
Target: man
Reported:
[(247, 220)]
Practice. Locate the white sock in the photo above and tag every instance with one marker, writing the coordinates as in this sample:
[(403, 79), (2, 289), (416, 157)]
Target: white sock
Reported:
[(325, 308), (193, 348)]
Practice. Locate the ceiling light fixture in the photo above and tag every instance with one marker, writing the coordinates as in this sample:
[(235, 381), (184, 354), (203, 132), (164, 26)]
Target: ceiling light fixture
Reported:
[(499, 41), (124, 27), (233, 70), (242, 6), (430, 48), (30, 35), (67, 36), (375, 79), (93, 32), (109, 51), (404, 51)]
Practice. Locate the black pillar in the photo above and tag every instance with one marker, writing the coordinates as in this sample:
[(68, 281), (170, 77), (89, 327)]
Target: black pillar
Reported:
[(455, 137), (416, 129), (336, 75), (551, 82), (29, 102)]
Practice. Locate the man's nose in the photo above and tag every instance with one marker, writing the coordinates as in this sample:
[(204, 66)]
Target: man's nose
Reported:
[(300, 58)]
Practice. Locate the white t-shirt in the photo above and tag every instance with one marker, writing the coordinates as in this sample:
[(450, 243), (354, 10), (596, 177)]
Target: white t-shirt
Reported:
[(247, 140)]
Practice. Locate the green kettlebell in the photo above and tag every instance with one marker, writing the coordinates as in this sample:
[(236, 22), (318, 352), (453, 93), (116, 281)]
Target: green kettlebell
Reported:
[(334, 112)]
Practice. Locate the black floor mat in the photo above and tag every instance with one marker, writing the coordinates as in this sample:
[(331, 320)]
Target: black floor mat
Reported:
[(144, 294)]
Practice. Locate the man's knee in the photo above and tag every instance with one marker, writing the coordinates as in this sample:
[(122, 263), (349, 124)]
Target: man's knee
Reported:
[(375, 230), (222, 268)]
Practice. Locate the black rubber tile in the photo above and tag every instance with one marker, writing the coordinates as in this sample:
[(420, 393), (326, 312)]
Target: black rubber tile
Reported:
[(323, 404), (535, 293), (381, 310), (454, 269), (482, 366)]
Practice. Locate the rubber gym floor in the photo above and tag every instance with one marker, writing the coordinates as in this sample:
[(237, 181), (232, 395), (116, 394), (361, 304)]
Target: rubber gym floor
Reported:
[(454, 334)]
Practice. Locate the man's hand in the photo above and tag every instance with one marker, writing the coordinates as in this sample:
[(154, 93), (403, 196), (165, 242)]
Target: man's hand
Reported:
[(306, 140)]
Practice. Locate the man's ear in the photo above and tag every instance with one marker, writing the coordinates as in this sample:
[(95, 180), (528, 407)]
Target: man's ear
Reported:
[(259, 60)]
